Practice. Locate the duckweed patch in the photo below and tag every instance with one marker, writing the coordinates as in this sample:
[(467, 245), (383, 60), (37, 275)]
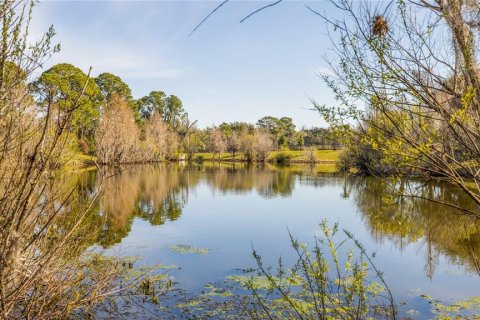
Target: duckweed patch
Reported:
[(464, 309), (259, 282), (188, 249)]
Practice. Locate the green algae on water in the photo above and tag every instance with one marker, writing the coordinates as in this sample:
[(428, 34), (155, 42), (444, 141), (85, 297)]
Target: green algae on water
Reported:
[(188, 249)]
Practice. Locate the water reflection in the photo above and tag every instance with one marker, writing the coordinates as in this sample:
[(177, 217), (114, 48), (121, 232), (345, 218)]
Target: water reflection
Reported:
[(265, 181), (153, 193), (442, 230), (159, 194)]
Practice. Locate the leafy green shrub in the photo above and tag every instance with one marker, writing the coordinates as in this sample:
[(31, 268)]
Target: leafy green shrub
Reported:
[(318, 285), (282, 158), (365, 159)]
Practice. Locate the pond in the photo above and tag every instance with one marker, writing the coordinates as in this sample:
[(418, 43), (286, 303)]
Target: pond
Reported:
[(157, 212)]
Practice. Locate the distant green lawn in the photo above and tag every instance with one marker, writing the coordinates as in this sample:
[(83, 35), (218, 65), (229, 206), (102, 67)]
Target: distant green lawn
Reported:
[(326, 158), (330, 156), (223, 156), (302, 155)]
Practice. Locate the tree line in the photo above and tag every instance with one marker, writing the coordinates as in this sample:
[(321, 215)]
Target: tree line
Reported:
[(110, 124)]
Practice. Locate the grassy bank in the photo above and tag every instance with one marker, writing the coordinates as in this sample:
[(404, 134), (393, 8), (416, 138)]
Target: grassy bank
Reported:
[(294, 156), (326, 158)]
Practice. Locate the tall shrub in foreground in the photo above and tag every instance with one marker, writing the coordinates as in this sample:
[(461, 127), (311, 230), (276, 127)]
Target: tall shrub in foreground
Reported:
[(331, 279), (44, 273), (408, 74)]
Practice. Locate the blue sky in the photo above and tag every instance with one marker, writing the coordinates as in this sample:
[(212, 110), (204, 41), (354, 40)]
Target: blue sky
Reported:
[(226, 71)]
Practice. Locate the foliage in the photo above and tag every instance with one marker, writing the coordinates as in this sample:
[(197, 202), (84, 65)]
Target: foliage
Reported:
[(363, 158), (174, 114), (412, 98), (193, 143), (282, 158), (152, 104), (66, 89), (236, 127), (247, 145), (112, 85), (316, 286), (282, 129), (322, 138), (169, 108)]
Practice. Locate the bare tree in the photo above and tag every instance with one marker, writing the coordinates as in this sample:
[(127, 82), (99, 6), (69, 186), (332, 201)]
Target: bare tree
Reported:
[(256, 146), (263, 145), (233, 143), (217, 142), (117, 133), (173, 145), (156, 138)]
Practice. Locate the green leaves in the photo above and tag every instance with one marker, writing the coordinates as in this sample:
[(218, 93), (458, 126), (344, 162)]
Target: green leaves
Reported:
[(110, 85), (318, 285), (68, 90), (282, 129), (155, 102)]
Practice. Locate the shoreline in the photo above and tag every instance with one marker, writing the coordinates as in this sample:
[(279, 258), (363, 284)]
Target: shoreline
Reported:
[(327, 157)]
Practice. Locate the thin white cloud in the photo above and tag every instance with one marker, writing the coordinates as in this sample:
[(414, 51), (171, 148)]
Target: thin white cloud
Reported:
[(127, 58), (123, 60)]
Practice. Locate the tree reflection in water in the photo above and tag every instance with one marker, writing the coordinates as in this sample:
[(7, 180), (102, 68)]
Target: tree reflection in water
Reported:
[(240, 179), (158, 193), (403, 220)]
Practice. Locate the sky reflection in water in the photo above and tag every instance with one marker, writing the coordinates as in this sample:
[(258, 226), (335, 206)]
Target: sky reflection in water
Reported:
[(421, 247)]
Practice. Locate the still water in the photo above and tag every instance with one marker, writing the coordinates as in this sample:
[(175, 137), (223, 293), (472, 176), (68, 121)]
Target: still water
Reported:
[(421, 247)]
